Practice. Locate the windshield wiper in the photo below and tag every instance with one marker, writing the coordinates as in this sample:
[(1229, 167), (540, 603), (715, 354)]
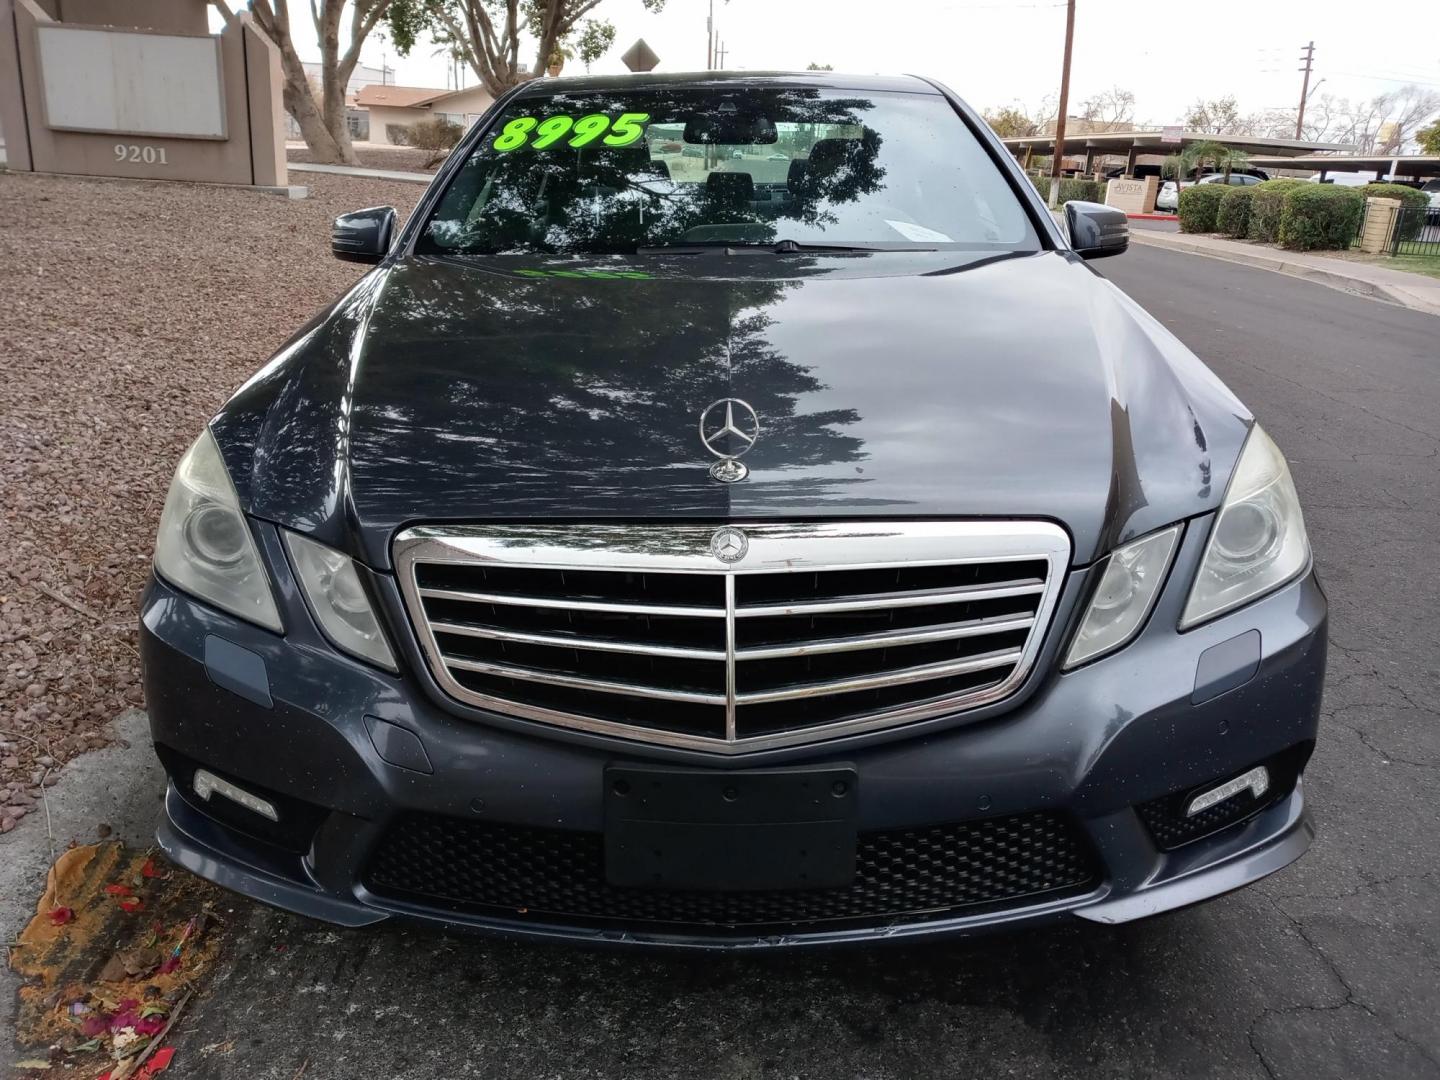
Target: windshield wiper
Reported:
[(780, 247)]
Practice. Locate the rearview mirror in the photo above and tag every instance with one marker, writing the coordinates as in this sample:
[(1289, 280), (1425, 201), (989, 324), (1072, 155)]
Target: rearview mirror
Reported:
[(363, 236), (1096, 230)]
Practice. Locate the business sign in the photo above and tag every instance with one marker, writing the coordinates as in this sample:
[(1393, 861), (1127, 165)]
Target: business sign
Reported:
[(1171, 133), (1132, 196)]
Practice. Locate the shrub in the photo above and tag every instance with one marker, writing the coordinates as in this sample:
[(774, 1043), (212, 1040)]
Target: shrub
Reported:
[(1410, 224), (1199, 206), (1233, 218), (436, 135), (1071, 190), (1320, 217), (1408, 196), (398, 134), (1265, 207)]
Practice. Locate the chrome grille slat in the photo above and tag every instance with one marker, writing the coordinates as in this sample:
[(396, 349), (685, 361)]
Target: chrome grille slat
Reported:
[(923, 673), (889, 639), (820, 630), (508, 671), (514, 600), (575, 641), (929, 598)]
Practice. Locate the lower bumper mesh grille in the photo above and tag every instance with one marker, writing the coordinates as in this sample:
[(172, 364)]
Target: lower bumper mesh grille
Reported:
[(557, 875)]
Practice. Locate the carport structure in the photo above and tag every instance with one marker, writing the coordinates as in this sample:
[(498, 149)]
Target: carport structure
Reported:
[(1387, 167), (1157, 143)]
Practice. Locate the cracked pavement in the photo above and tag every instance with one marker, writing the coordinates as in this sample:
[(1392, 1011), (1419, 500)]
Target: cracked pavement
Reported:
[(1330, 968)]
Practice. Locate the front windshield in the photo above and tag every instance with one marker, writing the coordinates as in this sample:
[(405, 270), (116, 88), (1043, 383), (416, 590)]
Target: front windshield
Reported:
[(621, 172)]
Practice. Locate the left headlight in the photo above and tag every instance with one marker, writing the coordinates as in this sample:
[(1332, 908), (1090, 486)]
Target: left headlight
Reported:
[(204, 544), (1123, 598), (1258, 541), (338, 600)]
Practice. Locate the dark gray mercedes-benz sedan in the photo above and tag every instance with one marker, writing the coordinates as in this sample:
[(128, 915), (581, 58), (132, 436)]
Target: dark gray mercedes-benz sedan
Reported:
[(732, 513)]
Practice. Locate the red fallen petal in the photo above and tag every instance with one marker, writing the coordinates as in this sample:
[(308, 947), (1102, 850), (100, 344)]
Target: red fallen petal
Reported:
[(118, 890), (149, 1025), (171, 963), (94, 1025), (131, 904), (59, 916), (149, 869), (159, 1061)]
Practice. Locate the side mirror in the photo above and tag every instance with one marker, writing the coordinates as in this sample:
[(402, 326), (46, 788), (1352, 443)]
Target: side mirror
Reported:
[(363, 236), (1097, 230)]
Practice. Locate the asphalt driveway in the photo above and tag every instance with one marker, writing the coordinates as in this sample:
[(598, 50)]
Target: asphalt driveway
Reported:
[(1329, 969)]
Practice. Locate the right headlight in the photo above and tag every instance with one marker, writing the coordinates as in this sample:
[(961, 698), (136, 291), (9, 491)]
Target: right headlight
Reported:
[(1258, 541), (204, 544)]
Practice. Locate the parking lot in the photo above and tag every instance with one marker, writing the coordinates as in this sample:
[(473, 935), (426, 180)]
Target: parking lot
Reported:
[(1329, 969)]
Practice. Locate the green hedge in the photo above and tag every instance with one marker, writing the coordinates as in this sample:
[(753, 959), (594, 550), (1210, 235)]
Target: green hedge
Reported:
[(1071, 190), (1233, 218), (1320, 217), (1199, 206), (1265, 208), (1408, 196)]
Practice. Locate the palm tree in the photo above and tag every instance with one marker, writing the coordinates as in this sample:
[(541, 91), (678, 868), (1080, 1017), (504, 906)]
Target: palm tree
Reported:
[(1199, 154)]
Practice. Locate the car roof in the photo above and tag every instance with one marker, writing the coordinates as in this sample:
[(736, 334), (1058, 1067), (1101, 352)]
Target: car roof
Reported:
[(827, 80)]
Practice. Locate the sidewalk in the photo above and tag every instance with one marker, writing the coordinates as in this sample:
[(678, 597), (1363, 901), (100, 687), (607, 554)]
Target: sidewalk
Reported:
[(1414, 291), (403, 176)]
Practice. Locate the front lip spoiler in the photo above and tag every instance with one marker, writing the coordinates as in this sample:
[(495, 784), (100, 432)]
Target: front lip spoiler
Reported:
[(182, 835)]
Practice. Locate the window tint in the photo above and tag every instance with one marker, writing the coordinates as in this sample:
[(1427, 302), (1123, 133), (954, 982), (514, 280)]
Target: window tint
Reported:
[(613, 172)]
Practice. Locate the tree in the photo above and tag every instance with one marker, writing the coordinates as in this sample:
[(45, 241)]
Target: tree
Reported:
[(1218, 116), (322, 117), (1223, 158), (1112, 110), (812, 66), (1011, 122), (1430, 138), (1383, 124), (488, 33)]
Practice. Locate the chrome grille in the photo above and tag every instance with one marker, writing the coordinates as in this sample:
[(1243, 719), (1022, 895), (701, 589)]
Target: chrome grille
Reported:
[(819, 630)]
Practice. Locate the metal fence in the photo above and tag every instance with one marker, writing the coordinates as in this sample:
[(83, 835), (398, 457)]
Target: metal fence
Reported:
[(1416, 231)]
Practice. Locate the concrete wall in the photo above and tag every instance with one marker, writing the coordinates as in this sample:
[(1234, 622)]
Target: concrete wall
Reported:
[(250, 149), (172, 16), (381, 115)]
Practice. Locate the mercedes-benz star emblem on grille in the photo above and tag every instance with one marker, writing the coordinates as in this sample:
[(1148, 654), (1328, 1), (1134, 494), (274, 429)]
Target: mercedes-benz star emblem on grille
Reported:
[(729, 545), (729, 428)]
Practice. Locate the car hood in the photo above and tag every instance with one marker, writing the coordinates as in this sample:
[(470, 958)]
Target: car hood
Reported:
[(889, 385)]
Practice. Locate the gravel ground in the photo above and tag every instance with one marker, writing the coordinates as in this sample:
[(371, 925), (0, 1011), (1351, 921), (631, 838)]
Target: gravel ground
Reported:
[(376, 157), (131, 311)]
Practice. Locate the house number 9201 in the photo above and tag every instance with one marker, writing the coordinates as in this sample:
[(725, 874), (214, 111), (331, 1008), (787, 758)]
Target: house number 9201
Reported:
[(136, 154)]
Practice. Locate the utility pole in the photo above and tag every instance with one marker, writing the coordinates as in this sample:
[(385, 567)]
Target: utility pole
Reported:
[(1308, 60), (723, 51), (1064, 104), (710, 37)]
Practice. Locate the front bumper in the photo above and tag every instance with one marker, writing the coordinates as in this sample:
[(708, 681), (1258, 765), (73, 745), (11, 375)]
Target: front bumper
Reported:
[(294, 720)]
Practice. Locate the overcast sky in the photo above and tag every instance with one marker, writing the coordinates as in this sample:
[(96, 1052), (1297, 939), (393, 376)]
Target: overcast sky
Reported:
[(995, 53)]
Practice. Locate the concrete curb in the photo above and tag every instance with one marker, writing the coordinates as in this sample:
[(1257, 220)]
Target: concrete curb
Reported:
[(1278, 263)]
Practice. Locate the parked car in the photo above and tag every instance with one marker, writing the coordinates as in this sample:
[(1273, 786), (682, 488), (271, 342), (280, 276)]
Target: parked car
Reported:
[(1168, 197), (1432, 188), (638, 563)]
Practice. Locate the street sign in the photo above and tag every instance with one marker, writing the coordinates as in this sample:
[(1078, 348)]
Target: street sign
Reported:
[(640, 57), (1171, 133)]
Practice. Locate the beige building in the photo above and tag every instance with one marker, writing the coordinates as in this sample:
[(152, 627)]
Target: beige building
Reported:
[(402, 106)]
